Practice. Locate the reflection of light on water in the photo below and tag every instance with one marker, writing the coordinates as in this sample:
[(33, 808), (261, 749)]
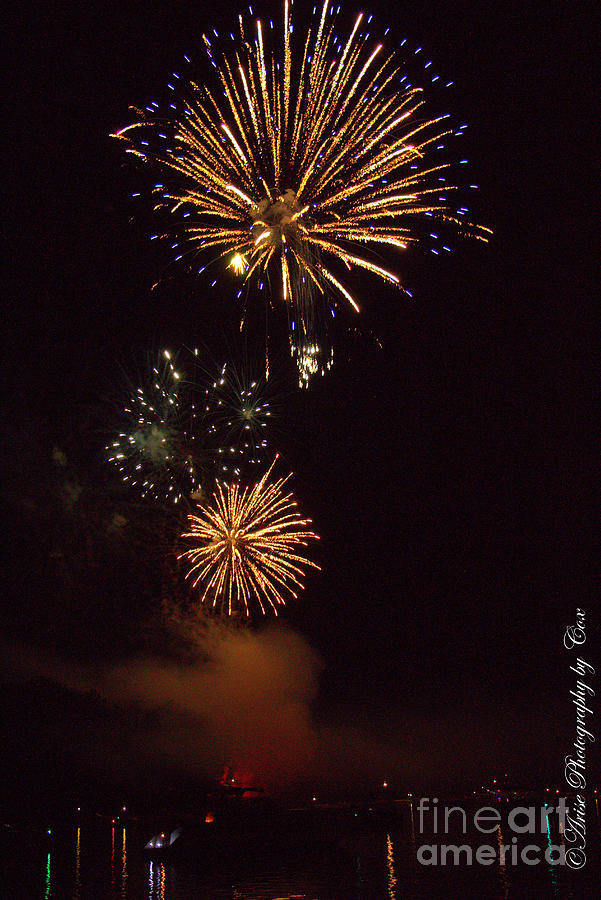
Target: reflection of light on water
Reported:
[(390, 862), (359, 875), (124, 870), (77, 892), (156, 881), (412, 825), (505, 884), (113, 856), (48, 893), (501, 846), (551, 867)]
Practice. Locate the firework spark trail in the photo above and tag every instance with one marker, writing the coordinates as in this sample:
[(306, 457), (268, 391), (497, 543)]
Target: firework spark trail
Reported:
[(297, 162), (248, 546)]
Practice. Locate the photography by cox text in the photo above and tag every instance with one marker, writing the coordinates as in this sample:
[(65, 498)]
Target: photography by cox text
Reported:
[(575, 761), (521, 821)]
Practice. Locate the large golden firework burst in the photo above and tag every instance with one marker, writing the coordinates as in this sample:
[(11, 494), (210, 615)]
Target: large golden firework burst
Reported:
[(302, 157), (248, 547)]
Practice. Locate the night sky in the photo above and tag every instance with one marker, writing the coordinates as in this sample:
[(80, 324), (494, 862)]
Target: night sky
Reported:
[(449, 472)]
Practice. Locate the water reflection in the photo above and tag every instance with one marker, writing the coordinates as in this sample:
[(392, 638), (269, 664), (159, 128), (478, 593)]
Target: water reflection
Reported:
[(412, 826), (551, 866), (377, 863), (156, 881), (77, 891), (124, 868), (359, 874), (48, 893), (503, 876), (113, 857), (390, 863)]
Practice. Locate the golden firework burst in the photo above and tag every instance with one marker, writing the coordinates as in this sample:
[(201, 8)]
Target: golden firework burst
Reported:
[(248, 546), (306, 155)]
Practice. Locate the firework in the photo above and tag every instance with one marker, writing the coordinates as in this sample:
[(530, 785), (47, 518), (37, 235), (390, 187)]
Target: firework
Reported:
[(241, 414), (307, 158), (184, 427), (248, 546), (158, 451)]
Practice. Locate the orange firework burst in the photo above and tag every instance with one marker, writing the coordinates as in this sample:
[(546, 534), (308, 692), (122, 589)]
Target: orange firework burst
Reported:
[(305, 161), (247, 546)]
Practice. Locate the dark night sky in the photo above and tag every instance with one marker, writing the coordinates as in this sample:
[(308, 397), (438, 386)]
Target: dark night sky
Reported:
[(450, 474)]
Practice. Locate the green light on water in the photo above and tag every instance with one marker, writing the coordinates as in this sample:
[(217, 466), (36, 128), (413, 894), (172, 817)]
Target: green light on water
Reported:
[(48, 884)]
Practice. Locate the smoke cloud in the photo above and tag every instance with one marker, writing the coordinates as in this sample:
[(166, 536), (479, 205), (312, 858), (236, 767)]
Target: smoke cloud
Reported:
[(225, 696), (245, 699)]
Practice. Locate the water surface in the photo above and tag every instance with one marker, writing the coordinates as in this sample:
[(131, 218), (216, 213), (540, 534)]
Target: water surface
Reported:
[(97, 861)]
